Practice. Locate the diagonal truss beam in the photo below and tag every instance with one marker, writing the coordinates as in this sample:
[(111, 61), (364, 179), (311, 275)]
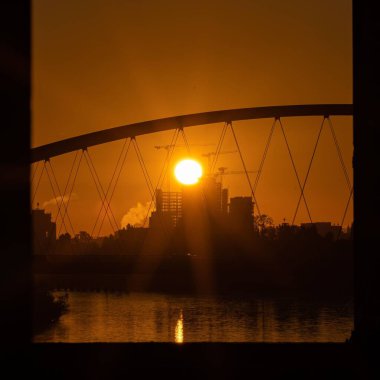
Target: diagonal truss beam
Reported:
[(57, 148)]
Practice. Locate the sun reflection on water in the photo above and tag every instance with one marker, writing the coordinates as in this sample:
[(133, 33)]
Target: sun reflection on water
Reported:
[(179, 329), (135, 317)]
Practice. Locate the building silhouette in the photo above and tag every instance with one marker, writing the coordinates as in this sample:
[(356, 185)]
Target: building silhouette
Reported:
[(168, 209), (324, 228), (44, 230), (206, 202), (241, 213)]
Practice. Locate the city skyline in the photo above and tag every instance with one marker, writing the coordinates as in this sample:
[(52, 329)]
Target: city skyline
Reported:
[(170, 207), (331, 210)]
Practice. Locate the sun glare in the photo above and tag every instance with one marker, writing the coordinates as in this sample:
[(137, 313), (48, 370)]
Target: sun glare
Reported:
[(188, 172)]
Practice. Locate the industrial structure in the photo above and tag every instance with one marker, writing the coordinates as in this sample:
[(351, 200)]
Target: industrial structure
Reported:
[(168, 208), (208, 199)]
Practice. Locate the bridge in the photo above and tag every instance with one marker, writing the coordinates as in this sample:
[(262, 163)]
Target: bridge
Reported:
[(129, 133), (137, 129)]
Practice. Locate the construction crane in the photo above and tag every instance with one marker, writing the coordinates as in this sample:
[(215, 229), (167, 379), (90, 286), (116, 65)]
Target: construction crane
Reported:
[(168, 146), (210, 154), (222, 171)]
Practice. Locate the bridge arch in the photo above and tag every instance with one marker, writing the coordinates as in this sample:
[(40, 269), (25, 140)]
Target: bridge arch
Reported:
[(58, 148)]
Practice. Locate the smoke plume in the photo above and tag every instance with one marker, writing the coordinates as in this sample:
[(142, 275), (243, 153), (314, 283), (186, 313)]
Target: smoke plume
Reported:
[(58, 200), (136, 215)]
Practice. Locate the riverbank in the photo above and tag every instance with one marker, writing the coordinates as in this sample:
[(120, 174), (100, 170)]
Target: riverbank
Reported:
[(47, 308), (262, 273)]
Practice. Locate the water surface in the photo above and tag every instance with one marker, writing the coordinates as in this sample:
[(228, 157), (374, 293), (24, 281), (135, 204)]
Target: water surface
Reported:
[(150, 317)]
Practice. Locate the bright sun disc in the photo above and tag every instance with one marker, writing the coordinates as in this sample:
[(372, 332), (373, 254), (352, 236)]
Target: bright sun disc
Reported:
[(188, 172)]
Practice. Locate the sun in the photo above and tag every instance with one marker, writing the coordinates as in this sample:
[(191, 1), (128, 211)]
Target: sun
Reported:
[(188, 172)]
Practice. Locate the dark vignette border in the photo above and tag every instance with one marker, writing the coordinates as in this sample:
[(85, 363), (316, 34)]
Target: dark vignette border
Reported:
[(351, 360)]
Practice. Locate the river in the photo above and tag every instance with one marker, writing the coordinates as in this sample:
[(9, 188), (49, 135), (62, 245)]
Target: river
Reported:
[(154, 317)]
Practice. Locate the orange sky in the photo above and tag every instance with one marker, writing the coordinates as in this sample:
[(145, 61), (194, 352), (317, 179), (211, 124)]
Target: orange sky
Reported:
[(99, 64)]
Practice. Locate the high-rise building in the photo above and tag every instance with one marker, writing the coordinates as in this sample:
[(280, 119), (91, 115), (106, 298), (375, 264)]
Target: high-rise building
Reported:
[(207, 202), (205, 198), (44, 230), (208, 196), (241, 212), (212, 192), (168, 209), (224, 201)]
